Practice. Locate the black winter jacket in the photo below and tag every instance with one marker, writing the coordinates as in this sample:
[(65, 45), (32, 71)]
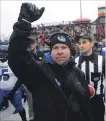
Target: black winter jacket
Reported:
[(51, 101)]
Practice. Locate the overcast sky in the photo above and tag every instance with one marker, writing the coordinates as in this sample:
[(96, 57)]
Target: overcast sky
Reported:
[(55, 11)]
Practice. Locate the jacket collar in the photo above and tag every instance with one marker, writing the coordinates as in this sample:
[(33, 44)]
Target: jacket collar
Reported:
[(88, 58), (70, 64), (50, 75)]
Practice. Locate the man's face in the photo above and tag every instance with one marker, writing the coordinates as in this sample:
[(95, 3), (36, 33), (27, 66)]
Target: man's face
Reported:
[(60, 53), (85, 46)]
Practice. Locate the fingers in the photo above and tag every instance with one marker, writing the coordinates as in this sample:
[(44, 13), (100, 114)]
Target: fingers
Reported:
[(30, 12), (42, 10)]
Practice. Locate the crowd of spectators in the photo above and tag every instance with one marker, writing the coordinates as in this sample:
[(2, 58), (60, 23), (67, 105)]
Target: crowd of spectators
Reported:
[(44, 32)]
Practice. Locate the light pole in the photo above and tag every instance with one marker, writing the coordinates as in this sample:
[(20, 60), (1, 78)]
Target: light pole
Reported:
[(80, 9)]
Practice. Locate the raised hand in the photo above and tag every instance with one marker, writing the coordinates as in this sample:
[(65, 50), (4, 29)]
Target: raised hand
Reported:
[(30, 12)]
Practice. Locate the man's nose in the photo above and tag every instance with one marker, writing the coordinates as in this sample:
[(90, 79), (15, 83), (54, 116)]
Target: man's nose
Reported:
[(60, 51), (81, 45)]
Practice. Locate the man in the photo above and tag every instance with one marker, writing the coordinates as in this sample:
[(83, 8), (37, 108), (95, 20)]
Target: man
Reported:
[(59, 90), (93, 65), (8, 81)]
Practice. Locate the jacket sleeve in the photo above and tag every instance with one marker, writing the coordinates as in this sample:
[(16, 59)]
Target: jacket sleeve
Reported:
[(20, 60), (84, 83), (86, 106)]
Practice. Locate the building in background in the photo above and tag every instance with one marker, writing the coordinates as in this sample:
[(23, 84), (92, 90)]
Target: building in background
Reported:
[(98, 25)]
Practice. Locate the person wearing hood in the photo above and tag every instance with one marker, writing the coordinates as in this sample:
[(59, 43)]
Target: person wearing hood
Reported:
[(59, 89)]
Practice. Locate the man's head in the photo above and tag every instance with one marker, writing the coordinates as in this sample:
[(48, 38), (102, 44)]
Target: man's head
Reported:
[(3, 53), (85, 43), (61, 47)]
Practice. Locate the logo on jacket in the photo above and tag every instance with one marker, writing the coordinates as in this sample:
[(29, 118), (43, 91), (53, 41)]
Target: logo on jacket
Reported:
[(96, 79)]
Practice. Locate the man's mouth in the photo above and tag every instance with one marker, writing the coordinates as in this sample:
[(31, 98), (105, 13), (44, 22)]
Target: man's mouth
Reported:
[(60, 58)]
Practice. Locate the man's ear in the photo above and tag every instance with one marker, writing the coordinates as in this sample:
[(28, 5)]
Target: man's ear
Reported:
[(92, 43)]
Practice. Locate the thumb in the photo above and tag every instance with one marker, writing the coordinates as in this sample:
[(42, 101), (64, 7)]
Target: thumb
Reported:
[(39, 12), (42, 10)]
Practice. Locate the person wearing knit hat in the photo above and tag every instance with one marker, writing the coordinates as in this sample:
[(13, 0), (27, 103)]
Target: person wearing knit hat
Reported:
[(61, 42), (59, 90), (60, 37)]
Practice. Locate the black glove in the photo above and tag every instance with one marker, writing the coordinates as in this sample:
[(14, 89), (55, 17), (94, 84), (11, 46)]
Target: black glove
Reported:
[(30, 12)]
